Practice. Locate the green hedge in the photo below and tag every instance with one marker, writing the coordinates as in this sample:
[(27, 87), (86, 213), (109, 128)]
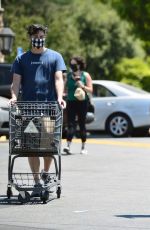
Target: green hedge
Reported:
[(134, 71)]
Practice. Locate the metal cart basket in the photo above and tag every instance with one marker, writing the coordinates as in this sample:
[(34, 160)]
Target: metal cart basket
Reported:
[(35, 130)]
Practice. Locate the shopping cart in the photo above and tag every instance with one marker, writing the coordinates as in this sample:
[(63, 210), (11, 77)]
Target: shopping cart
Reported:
[(35, 130)]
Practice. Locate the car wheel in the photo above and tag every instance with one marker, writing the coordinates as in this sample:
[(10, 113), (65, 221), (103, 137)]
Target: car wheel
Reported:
[(119, 125)]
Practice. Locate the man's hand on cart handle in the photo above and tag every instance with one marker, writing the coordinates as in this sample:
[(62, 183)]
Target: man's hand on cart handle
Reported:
[(12, 101), (62, 103)]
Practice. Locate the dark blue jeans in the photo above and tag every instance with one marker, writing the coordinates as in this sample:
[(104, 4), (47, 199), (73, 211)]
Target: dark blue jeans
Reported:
[(76, 109)]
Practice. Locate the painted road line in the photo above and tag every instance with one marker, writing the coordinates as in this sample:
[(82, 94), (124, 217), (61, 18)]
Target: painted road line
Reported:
[(116, 143), (129, 143)]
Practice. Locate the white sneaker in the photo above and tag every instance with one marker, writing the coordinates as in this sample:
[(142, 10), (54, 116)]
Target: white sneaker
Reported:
[(67, 150), (84, 151), (45, 176)]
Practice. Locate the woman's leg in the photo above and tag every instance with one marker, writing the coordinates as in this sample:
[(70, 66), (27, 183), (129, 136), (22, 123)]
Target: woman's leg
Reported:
[(71, 121), (71, 118), (82, 111)]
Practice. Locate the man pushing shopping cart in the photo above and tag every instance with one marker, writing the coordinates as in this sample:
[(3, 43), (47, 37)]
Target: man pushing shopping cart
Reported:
[(33, 119)]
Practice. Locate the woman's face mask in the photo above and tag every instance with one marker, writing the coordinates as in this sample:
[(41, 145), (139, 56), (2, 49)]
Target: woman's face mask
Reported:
[(38, 42), (74, 67)]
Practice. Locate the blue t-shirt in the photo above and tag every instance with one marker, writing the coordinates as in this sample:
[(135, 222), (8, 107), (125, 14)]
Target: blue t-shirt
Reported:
[(38, 71)]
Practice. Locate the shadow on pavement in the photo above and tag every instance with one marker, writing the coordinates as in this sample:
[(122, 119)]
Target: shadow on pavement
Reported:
[(133, 216), (14, 200)]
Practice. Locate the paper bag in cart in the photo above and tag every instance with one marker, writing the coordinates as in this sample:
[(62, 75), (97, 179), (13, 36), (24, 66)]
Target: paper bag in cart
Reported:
[(47, 132)]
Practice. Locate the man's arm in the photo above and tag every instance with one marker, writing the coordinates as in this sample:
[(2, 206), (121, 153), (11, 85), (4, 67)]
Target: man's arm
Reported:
[(15, 87), (59, 84)]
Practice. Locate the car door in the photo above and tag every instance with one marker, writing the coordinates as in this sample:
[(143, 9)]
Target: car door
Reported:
[(105, 102)]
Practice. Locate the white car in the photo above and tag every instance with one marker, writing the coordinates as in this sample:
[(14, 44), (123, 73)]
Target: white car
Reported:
[(4, 116), (119, 108)]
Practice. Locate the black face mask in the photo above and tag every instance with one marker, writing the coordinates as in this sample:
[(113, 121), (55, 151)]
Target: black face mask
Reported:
[(74, 67), (38, 42)]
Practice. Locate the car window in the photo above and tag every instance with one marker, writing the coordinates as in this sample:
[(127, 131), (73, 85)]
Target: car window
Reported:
[(132, 88), (101, 91)]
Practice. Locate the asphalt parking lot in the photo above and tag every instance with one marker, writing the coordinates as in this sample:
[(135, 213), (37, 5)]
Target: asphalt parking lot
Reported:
[(108, 189)]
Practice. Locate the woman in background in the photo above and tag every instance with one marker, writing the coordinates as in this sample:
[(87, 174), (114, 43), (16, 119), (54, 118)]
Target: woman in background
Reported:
[(77, 78)]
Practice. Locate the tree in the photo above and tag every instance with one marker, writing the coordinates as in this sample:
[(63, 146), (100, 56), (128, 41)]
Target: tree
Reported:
[(99, 36), (133, 71), (136, 12), (88, 28), (105, 38)]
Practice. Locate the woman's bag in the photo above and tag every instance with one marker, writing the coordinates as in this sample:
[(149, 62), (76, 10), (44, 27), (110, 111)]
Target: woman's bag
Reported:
[(90, 105), (79, 94), (90, 116)]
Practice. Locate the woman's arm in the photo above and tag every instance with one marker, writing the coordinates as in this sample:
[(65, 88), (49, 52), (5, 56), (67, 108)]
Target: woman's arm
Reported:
[(89, 86)]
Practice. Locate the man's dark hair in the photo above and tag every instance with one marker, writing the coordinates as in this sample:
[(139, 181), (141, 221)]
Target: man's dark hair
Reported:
[(35, 28), (80, 61)]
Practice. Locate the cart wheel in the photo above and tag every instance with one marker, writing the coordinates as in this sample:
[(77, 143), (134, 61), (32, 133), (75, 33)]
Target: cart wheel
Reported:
[(24, 199), (58, 192), (9, 192), (44, 196)]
